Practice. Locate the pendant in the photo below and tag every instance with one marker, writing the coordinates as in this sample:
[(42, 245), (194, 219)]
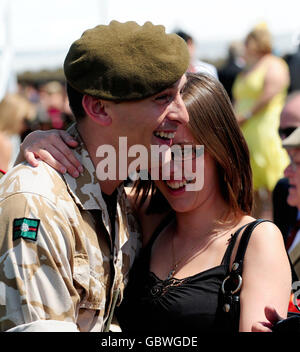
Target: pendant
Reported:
[(171, 273)]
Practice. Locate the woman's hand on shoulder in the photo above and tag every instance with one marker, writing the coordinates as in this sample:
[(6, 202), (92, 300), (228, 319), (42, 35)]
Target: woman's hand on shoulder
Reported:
[(148, 222), (53, 147)]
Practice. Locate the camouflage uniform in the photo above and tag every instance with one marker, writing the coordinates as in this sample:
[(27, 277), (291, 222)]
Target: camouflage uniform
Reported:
[(59, 267)]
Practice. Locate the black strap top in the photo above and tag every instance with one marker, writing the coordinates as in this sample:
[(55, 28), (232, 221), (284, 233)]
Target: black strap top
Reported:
[(192, 304)]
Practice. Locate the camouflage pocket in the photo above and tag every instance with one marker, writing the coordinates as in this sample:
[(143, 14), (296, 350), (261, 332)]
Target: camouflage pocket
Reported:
[(93, 289)]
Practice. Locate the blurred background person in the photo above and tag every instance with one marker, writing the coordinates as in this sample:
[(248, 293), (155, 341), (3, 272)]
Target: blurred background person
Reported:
[(293, 62), (233, 65), (259, 93), (285, 215), (53, 111), (196, 65), (14, 111), (292, 172)]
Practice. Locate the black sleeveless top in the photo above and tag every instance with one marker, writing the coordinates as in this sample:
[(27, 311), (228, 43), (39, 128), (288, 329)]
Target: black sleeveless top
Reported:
[(193, 304)]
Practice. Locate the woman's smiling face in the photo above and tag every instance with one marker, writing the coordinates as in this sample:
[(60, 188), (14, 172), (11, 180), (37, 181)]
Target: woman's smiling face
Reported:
[(177, 189)]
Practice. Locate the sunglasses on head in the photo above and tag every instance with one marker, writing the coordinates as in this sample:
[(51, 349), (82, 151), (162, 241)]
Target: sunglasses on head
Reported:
[(285, 132)]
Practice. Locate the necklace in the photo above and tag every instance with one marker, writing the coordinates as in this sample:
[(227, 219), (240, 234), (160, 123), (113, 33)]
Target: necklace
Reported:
[(185, 258)]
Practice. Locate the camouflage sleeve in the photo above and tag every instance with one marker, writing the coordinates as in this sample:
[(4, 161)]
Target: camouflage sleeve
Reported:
[(36, 252)]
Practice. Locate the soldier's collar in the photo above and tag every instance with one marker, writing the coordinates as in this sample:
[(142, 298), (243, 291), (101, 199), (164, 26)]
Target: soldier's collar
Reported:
[(85, 189)]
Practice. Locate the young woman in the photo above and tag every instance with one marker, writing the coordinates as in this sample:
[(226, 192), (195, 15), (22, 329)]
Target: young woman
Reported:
[(190, 245)]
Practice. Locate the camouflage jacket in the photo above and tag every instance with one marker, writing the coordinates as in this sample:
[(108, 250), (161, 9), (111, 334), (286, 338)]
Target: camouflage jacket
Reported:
[(59, 263)]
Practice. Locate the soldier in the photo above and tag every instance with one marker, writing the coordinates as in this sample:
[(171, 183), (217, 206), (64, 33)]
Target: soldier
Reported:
[(66, 245)]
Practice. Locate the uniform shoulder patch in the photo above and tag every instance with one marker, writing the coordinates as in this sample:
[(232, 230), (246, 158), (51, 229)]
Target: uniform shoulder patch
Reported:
[(25, 228)]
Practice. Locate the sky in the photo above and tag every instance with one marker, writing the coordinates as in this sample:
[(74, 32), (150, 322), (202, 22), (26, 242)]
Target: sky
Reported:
[(42, 31)]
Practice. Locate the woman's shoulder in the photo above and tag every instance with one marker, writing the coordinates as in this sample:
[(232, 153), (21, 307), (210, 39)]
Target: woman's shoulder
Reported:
[(275, 63), (264, 237), (266, 226), (266, 240), (264, 229)]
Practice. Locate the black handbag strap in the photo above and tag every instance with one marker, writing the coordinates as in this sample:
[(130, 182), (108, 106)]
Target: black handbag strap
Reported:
[(231, 285), (244, 243), (239, 258)]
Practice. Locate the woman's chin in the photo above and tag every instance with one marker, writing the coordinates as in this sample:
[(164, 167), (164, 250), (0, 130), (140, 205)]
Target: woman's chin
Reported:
[(180, 206)]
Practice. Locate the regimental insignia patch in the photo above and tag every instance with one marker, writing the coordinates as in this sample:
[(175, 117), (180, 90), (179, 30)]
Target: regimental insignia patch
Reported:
[(25, 228)]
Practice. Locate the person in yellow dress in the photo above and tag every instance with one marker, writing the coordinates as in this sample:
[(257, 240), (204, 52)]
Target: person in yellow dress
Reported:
[(259, 93)]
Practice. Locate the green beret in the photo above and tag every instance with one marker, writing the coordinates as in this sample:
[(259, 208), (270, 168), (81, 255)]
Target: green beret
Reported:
[(125, 61)]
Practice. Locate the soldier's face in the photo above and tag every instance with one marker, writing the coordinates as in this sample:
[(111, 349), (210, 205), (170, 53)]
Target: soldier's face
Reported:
[(151, 121)]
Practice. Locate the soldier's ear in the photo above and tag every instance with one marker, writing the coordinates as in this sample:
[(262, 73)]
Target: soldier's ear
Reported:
[(95, 109)]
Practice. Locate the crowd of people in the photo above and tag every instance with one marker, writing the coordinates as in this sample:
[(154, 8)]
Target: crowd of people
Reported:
[(33, 107), (83, 253)]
